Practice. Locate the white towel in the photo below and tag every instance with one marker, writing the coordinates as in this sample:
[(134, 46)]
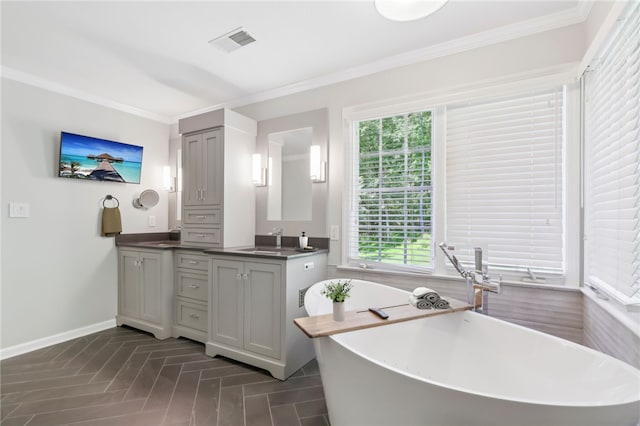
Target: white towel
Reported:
[(426, 293), (419, 303)]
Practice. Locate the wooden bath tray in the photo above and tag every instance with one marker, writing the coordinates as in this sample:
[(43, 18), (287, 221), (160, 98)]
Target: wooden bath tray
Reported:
[(324, 325)]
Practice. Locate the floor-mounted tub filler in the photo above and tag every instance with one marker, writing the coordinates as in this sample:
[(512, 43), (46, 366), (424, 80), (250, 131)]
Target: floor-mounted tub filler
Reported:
[(464, 369)]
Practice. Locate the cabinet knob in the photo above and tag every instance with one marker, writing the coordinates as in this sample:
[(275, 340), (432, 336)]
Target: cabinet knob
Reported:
[(200, 235), (194, 316), (193, 262), (194, 286)]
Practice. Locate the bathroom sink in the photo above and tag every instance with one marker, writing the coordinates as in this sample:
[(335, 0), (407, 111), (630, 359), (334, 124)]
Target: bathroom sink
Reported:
[(257, 250), (160, 243)]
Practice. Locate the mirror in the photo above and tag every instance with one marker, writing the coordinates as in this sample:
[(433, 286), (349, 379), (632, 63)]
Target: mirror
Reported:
[(147, 199), (306, 209), (289, 184)]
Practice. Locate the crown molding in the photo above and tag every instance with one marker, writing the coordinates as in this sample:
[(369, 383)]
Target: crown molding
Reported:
[(575, 15), (523, 82), (30, 79)]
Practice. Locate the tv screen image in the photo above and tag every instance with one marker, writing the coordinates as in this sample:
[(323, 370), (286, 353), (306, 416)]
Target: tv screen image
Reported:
[(85, 157)]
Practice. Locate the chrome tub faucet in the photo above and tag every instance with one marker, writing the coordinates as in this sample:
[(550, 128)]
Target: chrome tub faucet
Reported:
[(479, 283)]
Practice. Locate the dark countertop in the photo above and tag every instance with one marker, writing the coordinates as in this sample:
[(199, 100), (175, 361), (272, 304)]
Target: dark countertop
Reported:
[(167, 241)]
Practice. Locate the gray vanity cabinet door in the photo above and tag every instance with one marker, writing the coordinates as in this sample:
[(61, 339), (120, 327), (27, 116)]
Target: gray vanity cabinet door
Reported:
[(226, 302), (150, 281), (213, 171), (129, 284), (203, 169), (192, 170), (262, 318)]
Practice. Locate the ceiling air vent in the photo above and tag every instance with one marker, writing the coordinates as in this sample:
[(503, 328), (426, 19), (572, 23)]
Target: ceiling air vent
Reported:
[(232, 40)]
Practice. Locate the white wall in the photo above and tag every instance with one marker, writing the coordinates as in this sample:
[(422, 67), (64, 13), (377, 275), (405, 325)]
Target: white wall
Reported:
[(492, 63), (58, 274)]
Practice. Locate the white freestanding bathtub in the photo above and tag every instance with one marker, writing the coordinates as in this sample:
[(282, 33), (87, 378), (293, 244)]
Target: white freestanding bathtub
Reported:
[(464, 369)]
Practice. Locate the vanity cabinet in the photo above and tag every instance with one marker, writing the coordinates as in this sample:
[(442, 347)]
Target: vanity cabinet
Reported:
[(247, 312), (145, 290), (218, 201), (191, 295), (253, 302)]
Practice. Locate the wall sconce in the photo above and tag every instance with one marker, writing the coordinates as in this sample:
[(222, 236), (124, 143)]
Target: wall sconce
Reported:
[(317, 167), (259, 173), (168, 181), (179, 171)]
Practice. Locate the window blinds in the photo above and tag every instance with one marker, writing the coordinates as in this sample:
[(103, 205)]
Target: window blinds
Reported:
[(612, 169), (504, 174), (390, 220)]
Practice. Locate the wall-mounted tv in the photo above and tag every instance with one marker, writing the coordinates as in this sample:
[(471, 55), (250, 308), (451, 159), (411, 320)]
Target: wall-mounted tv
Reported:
[(84, 157)]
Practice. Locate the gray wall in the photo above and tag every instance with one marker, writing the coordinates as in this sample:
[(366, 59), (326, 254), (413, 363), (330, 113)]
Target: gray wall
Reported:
[(602, 331), (58, 274), (552, 311)]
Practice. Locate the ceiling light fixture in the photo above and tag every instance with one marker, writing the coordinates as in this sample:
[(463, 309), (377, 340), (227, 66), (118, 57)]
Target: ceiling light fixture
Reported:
[(407, 10)]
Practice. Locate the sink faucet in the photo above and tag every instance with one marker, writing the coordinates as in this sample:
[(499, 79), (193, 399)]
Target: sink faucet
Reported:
[(479, 284), (278, 233)]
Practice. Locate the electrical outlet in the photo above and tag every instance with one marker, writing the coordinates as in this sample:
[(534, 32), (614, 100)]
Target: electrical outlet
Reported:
[(301, 293), (152, 221)]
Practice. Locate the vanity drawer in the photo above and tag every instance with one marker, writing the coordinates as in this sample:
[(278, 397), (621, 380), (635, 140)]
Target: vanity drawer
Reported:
[(191, 315), (202, 217), (202, 236), (192, 261), (192, 285)]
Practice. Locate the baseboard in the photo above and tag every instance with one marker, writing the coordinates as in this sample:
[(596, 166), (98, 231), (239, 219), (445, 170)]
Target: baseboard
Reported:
[(33, 345)]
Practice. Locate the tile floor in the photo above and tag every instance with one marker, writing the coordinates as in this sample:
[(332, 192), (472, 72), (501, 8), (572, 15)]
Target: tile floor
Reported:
[(122, 376)]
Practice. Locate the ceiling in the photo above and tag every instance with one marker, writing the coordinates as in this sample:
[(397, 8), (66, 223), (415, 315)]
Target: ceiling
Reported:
[(154, 57)]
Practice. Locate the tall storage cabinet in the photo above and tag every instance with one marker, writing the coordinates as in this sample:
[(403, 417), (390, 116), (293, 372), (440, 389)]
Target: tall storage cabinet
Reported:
[(145, 290), (202, 154), (218, 202)]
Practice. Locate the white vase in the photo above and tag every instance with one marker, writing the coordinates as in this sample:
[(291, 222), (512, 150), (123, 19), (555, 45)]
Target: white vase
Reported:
[(338, 311)]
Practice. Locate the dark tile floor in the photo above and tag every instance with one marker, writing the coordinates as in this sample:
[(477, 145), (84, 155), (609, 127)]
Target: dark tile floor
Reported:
[(123, 376)]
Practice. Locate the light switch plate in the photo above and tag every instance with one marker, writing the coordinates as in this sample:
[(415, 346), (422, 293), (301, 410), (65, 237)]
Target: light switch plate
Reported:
[(335, 233), (19, 209), (152, 221)]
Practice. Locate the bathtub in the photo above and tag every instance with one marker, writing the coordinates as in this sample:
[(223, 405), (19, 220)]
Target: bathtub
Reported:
[(465, 369)]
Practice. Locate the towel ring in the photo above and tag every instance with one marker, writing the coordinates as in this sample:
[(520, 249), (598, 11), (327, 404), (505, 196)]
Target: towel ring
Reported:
[(110, 197)]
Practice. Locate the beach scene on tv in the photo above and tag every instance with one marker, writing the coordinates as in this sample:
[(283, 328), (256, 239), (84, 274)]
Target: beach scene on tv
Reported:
[(84, 157)]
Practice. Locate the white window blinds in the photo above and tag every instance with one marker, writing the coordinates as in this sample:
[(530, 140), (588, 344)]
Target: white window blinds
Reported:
[(390, 221), (504, 180), (612, 166)]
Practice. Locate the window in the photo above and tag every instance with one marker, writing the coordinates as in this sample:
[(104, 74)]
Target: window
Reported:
[(500, 168), (504, 181), (612, 164), (391, 193)]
